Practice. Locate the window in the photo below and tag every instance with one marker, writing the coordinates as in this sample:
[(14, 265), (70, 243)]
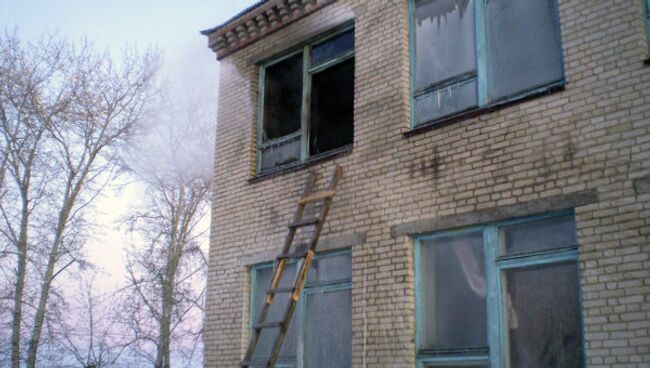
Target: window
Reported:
[(500, 295), (470, 54), (320, 334), (306, 104)]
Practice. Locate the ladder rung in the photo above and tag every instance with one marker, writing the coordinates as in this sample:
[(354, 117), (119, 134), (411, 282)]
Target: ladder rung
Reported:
[(298, 254), (308, 222), (288, 289), (317, 197), (260, 326)]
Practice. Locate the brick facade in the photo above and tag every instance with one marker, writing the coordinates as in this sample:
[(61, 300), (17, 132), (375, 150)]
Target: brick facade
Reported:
[(586, 147)]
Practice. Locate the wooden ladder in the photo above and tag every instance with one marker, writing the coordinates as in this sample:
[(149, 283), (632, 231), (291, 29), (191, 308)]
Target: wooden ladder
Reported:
[(305, 254)]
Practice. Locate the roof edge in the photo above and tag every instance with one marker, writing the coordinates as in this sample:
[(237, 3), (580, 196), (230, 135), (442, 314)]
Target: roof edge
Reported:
[(243, 12), (256, 22)]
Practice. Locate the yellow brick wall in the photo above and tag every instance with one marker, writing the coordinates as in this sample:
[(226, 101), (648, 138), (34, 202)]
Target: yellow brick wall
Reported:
[(594, 135)]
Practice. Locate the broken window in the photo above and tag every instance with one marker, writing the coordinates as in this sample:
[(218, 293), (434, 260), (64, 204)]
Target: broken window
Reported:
[(505, 292), (475, 53), (320, 334), (331, 108), (307, 102)]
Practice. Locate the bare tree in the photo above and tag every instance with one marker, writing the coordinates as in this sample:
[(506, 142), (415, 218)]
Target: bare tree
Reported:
[(165, 270), (89, 329), (64, 111)]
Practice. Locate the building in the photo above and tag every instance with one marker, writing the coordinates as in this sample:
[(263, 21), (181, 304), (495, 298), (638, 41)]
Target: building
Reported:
[(495, 201)]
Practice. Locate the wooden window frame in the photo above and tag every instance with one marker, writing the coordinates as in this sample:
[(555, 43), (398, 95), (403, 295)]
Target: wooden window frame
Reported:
[(495, 263), (308, 71), (483, 105), (300, 315)]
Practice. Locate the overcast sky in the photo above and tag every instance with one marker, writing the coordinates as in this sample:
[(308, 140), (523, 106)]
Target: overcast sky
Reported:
[(110, 24), (171, 26)]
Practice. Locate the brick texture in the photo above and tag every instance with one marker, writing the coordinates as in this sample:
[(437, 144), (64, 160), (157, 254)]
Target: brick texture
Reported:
[(593, 135)]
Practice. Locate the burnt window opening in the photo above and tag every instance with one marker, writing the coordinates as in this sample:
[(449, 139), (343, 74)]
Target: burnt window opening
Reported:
[(332, 108), (306, 102), (282, 97)]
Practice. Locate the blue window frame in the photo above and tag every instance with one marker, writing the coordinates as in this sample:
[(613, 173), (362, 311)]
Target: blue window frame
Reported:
[(320, 334), (472, 54), (305, 106), (500, 295)]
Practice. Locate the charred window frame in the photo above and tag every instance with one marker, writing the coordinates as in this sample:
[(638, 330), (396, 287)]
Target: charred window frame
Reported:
[(321, 327), (473, 55), (306, 102), (504, 294)]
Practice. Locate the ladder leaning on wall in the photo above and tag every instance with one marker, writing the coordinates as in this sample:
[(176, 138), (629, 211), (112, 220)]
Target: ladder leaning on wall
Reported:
[(304, 253)]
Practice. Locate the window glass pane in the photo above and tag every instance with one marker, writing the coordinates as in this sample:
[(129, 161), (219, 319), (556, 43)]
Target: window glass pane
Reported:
[(445, 101), (331, 115), (329, 329), (332, 48), (552, 233), (524, 48), (281, 154), (276, 313), (282, 97), (328, 269), (543, 316), (453, 288), (444, 40)]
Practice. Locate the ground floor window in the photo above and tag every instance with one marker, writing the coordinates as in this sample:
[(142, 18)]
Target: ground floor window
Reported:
[(500, 295), (320, 334)]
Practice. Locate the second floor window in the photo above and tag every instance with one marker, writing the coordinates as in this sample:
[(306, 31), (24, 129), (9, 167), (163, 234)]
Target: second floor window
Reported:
[(469, 54), (306, 102)]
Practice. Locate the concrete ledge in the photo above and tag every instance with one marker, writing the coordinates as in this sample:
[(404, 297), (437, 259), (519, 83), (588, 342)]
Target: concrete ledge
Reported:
[(325, 244), (555, 203)]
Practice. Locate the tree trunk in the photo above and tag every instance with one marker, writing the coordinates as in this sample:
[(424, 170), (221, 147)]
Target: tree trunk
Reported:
[(163, 354), (18, 304), (39, 318), (20, 285)]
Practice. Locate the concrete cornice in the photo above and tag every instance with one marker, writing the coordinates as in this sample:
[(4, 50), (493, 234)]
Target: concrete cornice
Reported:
[(257, 23)]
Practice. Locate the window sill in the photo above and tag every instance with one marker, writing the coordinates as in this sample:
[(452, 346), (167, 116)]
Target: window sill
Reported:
[(468, 114), (297, 166)]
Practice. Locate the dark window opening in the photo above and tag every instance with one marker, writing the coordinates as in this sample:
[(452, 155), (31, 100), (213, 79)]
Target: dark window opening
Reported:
[(332, 108), (307, 102), (282, 97)]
